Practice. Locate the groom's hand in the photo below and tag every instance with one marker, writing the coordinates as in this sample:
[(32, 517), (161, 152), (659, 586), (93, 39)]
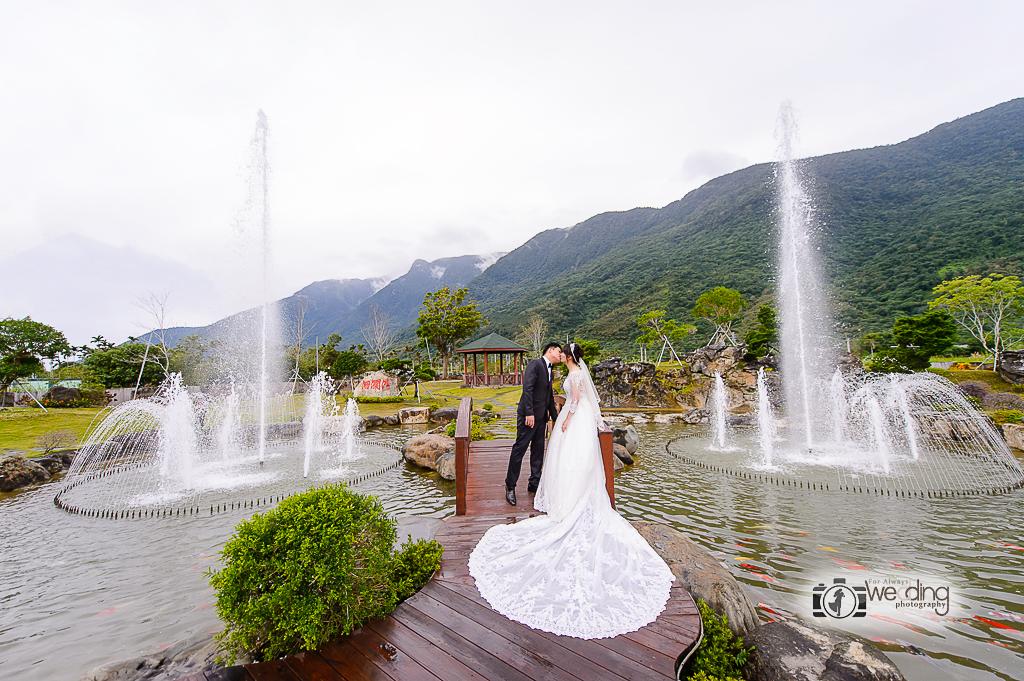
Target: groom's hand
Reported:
[(529, 421)]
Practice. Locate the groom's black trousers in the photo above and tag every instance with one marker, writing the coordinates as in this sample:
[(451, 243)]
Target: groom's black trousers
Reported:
[(527, 437)]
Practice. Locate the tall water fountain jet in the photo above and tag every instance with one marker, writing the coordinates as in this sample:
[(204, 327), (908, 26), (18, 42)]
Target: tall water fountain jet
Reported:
[(718, 411), (320, 405), (837, 396), (229, 424), (765, 420), (805, 333), (177, 433), (349, 428), (260, 143), (898, 435)]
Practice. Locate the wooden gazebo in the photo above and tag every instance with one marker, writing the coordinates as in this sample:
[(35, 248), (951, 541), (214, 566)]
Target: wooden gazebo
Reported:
[(503, 361)]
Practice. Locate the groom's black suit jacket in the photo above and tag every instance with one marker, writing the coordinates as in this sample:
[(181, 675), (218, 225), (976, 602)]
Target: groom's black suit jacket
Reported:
[(537, 398)]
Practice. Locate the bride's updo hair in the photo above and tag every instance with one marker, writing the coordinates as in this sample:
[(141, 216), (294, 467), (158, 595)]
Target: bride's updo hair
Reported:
[(573, 350)]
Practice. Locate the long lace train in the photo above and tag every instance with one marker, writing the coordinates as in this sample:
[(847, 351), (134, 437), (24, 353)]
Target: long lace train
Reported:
[(581, 570)]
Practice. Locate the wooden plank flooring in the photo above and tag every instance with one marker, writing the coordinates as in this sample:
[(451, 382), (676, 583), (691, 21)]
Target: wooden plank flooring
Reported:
[(448, 631)]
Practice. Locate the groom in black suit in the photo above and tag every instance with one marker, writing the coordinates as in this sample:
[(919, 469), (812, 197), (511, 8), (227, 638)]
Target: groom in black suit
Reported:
[(535, 405)]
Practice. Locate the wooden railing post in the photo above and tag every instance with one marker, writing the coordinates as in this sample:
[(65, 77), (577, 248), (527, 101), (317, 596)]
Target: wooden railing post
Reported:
[(605, 436), (463, 436)]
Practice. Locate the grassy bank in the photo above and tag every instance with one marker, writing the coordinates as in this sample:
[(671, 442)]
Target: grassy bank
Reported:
[(19, 427), (993, 380), (444, 394)]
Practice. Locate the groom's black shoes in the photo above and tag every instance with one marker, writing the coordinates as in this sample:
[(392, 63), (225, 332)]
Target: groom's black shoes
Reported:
[(510, 496), (532, 489)]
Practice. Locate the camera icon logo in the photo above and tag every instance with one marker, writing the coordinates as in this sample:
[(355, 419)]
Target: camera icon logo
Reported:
[(839, 600)]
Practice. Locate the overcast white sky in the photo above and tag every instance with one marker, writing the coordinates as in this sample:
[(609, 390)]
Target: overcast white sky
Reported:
[(421, 129)]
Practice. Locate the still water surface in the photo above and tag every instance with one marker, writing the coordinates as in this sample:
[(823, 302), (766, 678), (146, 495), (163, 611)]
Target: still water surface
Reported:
[(77, 592)]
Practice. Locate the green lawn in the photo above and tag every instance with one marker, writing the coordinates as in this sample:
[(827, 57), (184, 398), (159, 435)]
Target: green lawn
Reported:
[(444, 394), (19, 427), (993, 380)]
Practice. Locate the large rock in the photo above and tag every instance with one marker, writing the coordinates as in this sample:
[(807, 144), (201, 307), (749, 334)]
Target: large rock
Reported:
[(372, 421), (377, 384), (67, 456), (622, 454), (1014, 434), (695, 416), (701, 575), (446, 465), (414, 415), (17, 471), (444, 415), (335, 425), (792, 650), (716, 359), (59, 393), (1011, 366), (194, 655), (52, 464), (424, 450), (628, 438)]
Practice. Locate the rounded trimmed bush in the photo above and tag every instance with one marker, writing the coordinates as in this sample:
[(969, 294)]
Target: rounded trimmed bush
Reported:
[(314, 568)]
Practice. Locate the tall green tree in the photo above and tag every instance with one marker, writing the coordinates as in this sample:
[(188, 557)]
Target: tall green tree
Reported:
[(190, 358), (721, 306), (920, 338), (591, 349), (761, 339), (446, 319), (118, 366), (23, 346), (656, 329), (347, 364), (983, 306)]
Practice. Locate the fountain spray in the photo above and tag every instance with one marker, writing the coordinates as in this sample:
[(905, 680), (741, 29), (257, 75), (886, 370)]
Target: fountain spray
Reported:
[(260, 140), (804, 331)]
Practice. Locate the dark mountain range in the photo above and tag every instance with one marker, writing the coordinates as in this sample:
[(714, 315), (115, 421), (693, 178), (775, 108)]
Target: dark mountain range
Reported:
[(343, 305), (401, 299), (894, 221)]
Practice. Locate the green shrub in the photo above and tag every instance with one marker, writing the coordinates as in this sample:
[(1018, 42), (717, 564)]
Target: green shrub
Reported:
[(316, 567), (476, 430), (414, 565), (721, 655), (886, 364), (434, 406), (370, 399), (701, 676), (1001, 416), (489, 407)]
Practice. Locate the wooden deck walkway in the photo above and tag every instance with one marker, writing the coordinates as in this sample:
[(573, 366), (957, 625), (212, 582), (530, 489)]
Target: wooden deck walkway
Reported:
[(447, 631)]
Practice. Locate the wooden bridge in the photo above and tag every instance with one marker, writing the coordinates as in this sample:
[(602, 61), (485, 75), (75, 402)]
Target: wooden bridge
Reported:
[(447, 631)]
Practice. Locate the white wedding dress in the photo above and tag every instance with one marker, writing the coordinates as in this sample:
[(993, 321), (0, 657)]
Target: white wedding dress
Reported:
[(581, 570)]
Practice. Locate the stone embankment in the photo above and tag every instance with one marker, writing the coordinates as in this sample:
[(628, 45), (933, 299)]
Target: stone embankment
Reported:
[(783, 650), (17, 470), (688, 388)]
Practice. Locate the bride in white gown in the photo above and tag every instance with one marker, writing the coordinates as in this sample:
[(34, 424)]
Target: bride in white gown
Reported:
[(581, 570)]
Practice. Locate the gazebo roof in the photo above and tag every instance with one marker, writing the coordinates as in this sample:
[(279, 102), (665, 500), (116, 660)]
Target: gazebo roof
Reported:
[(492, 343)]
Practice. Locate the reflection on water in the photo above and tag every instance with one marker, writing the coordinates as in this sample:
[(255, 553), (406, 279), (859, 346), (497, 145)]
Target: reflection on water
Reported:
[(78, 592), (782, 542)]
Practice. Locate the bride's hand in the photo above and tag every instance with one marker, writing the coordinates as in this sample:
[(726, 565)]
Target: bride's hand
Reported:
[(565, 423)]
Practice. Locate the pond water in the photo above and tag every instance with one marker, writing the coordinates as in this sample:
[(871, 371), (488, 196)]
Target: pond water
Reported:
[(80, 591)]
